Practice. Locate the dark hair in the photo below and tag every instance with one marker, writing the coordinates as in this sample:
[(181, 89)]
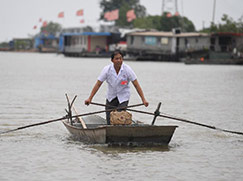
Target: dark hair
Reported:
[(115, 53)]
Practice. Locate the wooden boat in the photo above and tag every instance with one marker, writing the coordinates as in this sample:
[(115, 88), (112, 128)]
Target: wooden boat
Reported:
[(137, 134)]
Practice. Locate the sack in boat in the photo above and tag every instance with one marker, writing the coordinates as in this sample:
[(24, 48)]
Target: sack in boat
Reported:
[(123, 117)]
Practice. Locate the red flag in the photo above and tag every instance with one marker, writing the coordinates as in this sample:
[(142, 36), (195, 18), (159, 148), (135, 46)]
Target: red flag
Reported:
[(80, 12), (44, 24), (112, 15), (82, 21), (115, 14), (61, 15), (35, 27), (177, 14), (168, 15), (131, 15), (107, 15)]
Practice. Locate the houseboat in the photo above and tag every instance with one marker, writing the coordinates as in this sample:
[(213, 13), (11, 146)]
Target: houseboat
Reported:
[(165, 46), (225, 48), (47, 43), (87, 44)]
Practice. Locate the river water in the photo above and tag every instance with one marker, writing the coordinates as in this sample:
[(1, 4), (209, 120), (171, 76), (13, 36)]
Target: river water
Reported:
[(32, 90)]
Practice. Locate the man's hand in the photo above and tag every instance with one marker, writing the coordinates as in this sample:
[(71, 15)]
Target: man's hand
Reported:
[(145, 103), (87, 102)]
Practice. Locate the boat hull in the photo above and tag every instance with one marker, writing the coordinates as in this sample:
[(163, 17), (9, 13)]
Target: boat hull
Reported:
[(130, 135), (94, 135), (139, 135)]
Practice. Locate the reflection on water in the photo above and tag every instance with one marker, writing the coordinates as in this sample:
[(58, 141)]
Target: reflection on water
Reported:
[(115, 149), (32, 90), (128, 149)]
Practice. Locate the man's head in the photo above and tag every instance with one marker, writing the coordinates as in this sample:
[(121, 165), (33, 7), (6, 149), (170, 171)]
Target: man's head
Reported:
[(115, 53), (117, 59)]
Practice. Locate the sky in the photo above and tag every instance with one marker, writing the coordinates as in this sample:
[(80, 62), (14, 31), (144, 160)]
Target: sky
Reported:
[(18, 17)]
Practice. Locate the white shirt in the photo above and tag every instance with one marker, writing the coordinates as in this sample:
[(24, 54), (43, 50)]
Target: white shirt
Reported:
[(118, 85)]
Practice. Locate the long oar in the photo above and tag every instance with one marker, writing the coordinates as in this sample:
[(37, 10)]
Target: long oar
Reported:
[(188, 121), (62, 118), (36, 124), (182, 120)]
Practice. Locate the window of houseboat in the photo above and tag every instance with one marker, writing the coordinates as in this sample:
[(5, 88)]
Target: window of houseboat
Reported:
[(84, 40), (81, 40), (186, 41), (150, 40), (164, 40), (132, 39)]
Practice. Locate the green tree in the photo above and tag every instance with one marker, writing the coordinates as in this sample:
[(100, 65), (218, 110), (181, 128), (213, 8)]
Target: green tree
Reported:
[(186, 24), (228, 25), (52, 28), (123, 6), (149, 22), (4, 45), (164, 23)]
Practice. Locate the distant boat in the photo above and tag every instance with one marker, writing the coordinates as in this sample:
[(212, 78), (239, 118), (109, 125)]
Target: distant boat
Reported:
[(137, 134)]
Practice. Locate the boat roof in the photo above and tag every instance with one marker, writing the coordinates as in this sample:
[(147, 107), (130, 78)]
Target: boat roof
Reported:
[(227, 34), (167, 34), (88, 34)]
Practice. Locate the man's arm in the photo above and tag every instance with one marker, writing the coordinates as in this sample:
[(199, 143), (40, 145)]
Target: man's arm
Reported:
[(140, 92), (93, 92)]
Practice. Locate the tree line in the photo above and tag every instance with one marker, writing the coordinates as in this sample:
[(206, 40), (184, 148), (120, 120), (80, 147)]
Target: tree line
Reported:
[(163, 22)]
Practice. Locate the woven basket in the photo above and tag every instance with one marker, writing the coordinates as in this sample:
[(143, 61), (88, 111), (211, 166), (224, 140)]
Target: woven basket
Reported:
[(120, 118)]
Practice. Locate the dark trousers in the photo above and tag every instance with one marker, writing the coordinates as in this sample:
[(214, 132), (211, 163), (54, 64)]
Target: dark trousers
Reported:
[(114, 103)]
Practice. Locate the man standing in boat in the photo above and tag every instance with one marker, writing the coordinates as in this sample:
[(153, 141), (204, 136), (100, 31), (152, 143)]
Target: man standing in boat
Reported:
[(117, 75)]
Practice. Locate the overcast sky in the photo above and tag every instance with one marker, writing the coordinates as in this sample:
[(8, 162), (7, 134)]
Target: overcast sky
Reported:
[(18, 17)]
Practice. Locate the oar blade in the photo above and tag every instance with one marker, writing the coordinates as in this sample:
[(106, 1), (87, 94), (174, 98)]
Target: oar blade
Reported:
[(9, 131)]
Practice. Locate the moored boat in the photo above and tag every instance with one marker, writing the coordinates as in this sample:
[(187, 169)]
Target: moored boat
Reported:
[(136, 134)]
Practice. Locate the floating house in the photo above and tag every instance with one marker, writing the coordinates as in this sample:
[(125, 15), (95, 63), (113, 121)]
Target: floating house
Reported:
[(225, 48), (165, 46), (46, 43), (87, 44), (226, 42)]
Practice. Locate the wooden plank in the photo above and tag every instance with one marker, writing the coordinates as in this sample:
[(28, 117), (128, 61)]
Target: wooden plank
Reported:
[(80, 119)]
